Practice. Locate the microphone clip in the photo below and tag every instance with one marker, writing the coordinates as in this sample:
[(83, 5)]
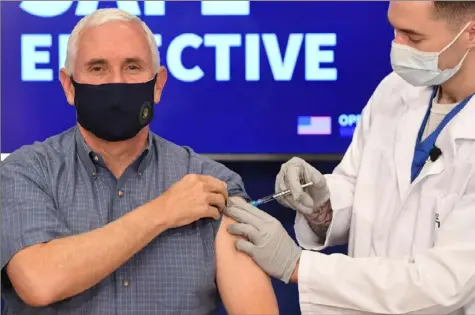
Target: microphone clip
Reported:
[(434, 153)]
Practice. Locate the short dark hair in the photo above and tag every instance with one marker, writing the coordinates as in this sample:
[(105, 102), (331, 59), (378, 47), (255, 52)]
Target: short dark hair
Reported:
[(455, 12)]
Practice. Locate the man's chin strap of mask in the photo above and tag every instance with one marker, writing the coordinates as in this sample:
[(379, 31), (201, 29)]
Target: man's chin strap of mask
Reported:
[(114, 111), (422, 68)]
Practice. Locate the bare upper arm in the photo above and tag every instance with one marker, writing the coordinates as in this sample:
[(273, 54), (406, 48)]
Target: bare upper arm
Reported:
[(244, 287)]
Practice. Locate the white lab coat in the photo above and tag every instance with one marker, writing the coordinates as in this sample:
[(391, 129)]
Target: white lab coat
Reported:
[(400, 261)]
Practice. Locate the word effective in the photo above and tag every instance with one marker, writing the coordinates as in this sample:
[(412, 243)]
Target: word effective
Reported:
[(36, 55)]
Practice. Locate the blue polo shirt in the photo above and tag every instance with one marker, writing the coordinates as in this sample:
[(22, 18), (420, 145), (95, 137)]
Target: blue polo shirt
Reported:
[(60, 187)]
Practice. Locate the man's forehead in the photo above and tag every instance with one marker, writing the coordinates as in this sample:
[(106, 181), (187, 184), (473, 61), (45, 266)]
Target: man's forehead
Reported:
[(113, 26), (113, 31), (113, 40), (411, 16), (423, 8)]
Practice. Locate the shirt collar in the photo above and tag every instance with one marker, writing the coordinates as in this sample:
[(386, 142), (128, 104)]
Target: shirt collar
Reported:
[(146, 156), (90, 158)]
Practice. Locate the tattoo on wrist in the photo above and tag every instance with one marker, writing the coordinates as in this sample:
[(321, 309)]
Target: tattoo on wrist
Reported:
[(320, 219)]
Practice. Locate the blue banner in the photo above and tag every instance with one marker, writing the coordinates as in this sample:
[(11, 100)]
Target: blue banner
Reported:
[(244, 77)]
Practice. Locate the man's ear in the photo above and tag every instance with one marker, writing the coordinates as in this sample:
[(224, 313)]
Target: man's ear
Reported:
[(67, 85), (471, 33), (162, 76)]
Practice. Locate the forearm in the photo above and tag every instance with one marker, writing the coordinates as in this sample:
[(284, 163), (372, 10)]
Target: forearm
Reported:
[(319, 221), (68, 266)]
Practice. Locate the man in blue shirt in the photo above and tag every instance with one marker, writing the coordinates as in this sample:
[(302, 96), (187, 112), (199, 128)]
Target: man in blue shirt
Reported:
[(109, 218)]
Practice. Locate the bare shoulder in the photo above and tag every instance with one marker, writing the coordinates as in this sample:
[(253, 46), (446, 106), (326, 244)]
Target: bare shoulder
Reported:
[(223, 237)]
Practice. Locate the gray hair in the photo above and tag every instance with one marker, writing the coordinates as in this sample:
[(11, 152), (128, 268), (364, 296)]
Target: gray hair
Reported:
[(100, 17)]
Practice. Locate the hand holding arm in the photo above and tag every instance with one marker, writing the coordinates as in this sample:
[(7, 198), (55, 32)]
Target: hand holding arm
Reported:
[(268, 243)]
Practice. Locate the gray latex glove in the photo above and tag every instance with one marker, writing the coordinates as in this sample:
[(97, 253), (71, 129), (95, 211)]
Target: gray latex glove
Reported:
[(292, 175), (268, 243)]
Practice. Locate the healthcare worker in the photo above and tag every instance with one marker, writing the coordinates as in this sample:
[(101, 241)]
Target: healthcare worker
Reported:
[(404, 194)]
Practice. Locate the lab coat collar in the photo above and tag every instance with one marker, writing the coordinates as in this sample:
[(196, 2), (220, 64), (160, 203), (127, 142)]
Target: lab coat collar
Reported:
[(461, 127)]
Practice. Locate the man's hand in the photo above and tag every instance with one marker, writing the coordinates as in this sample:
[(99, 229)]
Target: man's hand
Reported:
[(292, 175), (192, 198), (268, 243)]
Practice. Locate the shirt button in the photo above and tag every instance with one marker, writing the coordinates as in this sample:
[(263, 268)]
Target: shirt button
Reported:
[(96, 158), (120, 193), (126, 283)]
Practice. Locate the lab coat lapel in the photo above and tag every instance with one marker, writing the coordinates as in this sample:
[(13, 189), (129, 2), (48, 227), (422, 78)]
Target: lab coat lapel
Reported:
[(417, 103)]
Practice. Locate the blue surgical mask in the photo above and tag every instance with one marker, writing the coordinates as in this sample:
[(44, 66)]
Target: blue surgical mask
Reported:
[(421, 68)]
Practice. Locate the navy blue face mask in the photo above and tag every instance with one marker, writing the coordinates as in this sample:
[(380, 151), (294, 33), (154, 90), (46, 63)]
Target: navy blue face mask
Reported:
[(114, 111)]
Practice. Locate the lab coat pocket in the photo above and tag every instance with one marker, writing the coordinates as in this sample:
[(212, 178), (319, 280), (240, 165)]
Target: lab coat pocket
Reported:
[(430, 218), (443, 207)]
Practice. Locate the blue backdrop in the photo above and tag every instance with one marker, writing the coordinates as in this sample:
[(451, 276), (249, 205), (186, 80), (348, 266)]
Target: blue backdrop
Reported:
[(243, 76)]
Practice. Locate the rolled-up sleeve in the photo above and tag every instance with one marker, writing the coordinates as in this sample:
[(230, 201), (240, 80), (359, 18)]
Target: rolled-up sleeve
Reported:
[(218, 170), (28, 211)]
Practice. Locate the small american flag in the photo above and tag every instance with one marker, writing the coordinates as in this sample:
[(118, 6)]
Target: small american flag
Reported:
[(314, 125)]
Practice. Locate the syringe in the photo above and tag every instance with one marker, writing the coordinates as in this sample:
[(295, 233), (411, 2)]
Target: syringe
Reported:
[(270, 198)]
